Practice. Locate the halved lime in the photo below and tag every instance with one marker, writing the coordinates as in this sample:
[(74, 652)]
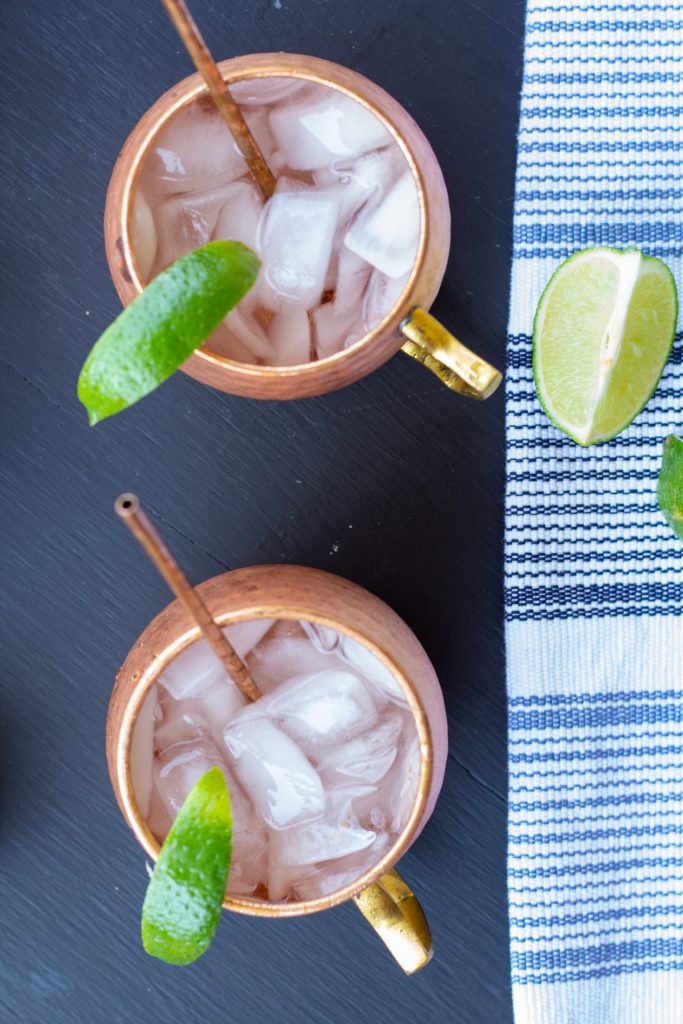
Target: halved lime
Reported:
[(183, 902), (602, 333), (670, 484), (163, 326)]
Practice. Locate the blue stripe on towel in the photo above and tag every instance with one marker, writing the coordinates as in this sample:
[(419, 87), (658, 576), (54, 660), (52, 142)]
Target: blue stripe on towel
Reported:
[(593, 574)]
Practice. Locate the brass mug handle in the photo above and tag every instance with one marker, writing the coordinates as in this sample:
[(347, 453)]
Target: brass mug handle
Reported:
[(437, 349), (394, 912)]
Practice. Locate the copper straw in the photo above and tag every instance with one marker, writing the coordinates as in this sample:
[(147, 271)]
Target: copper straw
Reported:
[(206, 66), (128, 507)]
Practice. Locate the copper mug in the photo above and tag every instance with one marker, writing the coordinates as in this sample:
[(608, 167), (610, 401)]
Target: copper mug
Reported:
[(408, 325), (293, 592)]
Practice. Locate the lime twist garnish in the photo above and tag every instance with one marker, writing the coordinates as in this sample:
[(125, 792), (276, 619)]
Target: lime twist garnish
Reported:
[(163, 326), (670, 484), (183, 902), (603, 332)]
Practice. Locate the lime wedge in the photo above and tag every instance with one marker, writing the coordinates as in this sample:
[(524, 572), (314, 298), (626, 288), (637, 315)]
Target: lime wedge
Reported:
[(183, 902), (175, 313), (670, 484), (602, 333)]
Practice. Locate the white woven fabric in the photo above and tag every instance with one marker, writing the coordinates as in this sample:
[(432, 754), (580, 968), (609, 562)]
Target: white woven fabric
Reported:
[(594, 576)]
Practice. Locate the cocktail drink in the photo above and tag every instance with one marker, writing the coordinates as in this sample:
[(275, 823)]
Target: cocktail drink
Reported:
[(353, 240), (332, 772), (322, 770), (337, 240)]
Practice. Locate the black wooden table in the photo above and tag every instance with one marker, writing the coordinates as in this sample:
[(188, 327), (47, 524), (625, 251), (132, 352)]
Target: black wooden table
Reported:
[(395, 483)]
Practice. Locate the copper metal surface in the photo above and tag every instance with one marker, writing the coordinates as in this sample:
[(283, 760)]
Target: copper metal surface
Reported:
[(385, 339), (206, 66), (128, 508), (286, 592)]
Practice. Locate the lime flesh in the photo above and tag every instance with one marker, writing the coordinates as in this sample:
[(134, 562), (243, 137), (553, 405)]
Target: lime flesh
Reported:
[(603, 332), (183, 902), (670, 484), (163, 326)]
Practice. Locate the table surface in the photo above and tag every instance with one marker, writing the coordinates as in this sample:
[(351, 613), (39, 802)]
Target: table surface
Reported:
[(395, 483)]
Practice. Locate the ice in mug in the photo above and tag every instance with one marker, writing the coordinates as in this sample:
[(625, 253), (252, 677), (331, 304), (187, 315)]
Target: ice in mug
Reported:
[(337, 240), (323, 770)]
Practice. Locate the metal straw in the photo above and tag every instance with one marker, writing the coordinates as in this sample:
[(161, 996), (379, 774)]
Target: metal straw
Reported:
[(206, 66), (128, 507)]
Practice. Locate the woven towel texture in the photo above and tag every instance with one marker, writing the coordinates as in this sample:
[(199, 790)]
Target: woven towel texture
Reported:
[(594, 577)]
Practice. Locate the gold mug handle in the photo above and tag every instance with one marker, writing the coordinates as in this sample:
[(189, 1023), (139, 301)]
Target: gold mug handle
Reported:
[(454, 364), (393, 910)]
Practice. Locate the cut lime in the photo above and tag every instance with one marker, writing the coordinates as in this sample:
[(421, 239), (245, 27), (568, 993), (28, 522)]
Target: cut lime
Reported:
[(670, 484), (183, 902), (163, 326), (602, 333)]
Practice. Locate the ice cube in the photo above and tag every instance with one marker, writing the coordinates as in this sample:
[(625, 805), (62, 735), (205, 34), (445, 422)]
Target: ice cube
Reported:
[(250, 334), (181, 722), (224, 343), (290, 335), (244, 636), (381, 296), (372, 669), (352, 279), (185, 222), (314, 130), (142, 750), (219, 704), (257, 119), (294, 850), (193, 153), (279, 658), (337, 834), (324, 638), (239, 216), (367, 757), (256, 91), (158, 819), (177, 770), (143, 235), (249, 865), (295, 240), (339, 324), (180, 767), (386, 234), (200, 702), (358, 181), (278, 165), (335, 331), (285, 628), (328, 878), (322, 709), (280, 781), (192, 671), (351, 193), (402, 787)]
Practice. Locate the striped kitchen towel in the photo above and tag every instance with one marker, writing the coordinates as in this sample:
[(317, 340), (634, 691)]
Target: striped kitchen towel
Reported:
[(594, 576)]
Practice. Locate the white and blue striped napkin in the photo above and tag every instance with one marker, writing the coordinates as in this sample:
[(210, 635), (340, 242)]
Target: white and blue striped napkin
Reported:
[(594, 576)]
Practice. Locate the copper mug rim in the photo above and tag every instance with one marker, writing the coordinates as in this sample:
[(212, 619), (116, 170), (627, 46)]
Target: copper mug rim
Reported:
[(281, 65), (264, 610)]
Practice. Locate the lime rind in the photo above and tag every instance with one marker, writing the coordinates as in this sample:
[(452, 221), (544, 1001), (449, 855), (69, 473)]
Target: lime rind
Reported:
[(183, 902), (670, 484), (163, 326), (647, 264)]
